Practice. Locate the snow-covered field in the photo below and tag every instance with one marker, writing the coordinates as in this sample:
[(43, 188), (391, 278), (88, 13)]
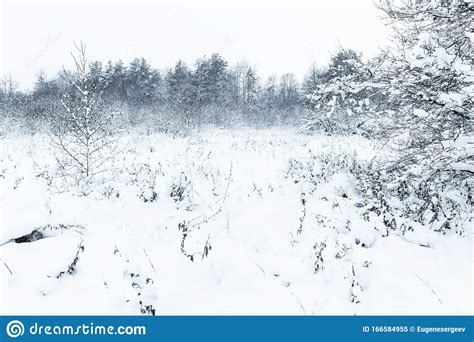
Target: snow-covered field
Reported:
[(218, 222)]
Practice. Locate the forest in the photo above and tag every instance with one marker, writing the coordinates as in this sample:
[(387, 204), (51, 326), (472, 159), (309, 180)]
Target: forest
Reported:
[(206, 188)]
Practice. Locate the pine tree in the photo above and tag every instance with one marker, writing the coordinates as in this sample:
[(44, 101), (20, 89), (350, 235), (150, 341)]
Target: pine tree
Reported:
[(251, 90), (346, 97), (180, 93), (142, 83)]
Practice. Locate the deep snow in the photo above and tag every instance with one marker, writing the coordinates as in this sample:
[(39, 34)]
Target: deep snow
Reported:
[(239, 192)]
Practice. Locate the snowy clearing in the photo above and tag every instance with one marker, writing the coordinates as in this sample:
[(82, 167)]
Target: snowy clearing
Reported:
[(218, 222)]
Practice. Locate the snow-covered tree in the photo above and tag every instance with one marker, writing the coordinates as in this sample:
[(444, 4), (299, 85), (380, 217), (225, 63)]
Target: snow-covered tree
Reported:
[(179, 91), (142, 83), (13, 106), (430, 80), (209, 80), (86, 129), (251, 90), (115, 77), (345, 97)]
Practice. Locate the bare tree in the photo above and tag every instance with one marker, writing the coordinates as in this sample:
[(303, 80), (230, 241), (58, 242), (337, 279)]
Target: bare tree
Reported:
[(86, 129), (8, 85)]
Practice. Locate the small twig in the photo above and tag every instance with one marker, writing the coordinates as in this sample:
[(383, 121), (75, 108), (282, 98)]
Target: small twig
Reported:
[(338, 206), (149, 260), (8, 268), (428, 286), (71, 270), (300, 304), (203, 254), (302, 218), (261, 269), (207, 218), (116, 250), (228, 182)]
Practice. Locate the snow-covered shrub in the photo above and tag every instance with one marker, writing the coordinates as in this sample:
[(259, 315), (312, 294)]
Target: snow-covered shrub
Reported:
[(399, 200), (141, 282), (181, 191), (356, 288), (319, 167), (110, 192), (71, 269), (144, 177), (318, 253), (391, 201)]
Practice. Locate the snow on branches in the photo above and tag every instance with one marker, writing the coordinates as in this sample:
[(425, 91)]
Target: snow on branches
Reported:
[(85, 131)]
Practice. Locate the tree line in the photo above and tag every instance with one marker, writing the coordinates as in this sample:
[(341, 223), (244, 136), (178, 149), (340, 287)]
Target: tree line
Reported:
[(209, 92)]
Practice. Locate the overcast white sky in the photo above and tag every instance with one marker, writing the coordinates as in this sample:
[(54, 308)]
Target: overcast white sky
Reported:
[(274, 36)]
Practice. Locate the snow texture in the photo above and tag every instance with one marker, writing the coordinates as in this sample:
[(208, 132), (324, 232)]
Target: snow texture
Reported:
[(220, 222)]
